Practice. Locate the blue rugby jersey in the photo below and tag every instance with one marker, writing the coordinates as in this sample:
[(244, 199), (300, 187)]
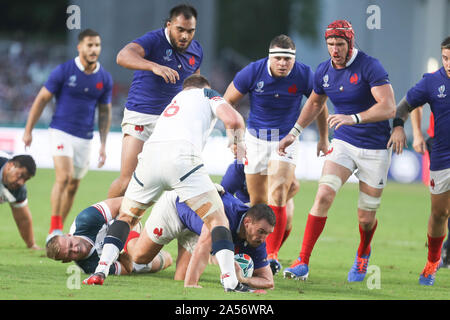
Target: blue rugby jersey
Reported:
[(77, 95), (234, 181), (275, 102), (235, 211), (349, 91), (149, 93), (434, 88)]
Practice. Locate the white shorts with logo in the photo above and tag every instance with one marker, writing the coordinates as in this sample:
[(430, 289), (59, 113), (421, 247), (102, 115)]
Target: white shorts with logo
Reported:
[(163, 225), (369, 165), (439, 181), (64, 144), (169, 165), (260, 152), (138, 125)]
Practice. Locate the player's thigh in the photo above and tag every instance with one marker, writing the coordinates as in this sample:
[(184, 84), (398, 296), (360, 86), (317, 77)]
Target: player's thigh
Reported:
[(63, 168), (257, 186), (131, 147), (258, 154), (373, 167), (145, 249)]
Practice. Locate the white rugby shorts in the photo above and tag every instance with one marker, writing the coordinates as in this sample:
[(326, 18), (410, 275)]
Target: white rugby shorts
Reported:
[(260, 152), (163, 225), (64, 144), (369, 165), (170, 165), (138, 125), (439, 181)]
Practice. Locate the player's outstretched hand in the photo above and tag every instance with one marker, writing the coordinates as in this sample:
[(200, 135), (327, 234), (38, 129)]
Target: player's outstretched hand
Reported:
[(397, 140), (284, 143), (168, 74)]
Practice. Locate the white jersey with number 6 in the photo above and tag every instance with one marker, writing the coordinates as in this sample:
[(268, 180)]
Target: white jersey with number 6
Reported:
[(191, 116)]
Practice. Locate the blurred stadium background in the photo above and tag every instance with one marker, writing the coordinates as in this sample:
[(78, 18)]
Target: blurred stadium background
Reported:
[(34, 38)]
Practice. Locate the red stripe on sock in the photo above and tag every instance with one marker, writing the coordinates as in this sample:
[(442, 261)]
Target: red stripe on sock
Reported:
[(365, 240), (313, 229), (434, 248), (273, 241)]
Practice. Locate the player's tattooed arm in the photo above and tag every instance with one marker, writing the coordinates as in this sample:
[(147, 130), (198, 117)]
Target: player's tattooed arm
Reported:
[(403, 109)]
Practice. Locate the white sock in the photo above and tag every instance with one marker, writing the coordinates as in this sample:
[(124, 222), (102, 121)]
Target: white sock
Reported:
[(225, 258), (109, 255)]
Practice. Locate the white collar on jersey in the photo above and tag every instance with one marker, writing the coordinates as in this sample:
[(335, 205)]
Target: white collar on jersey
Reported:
[(166, 33), (81, 67), (349, 62), (270, 72)]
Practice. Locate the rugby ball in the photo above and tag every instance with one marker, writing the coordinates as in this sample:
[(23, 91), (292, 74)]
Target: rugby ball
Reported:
[(246, 264)]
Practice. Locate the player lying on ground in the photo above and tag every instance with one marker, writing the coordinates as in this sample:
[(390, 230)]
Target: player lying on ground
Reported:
[(84, 243), (171, 219)]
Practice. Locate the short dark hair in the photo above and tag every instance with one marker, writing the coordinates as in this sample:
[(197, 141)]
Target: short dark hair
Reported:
[(25, 160), (186, 10), (282, 41), (196, 80), (87, 33), (446, 43), (262, 211)]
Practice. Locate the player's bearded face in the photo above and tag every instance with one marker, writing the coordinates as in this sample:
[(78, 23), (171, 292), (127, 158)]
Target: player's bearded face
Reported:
[(89, 49), (181, 32), (338, 49), (257, 231), (446, 61), (281, 66)]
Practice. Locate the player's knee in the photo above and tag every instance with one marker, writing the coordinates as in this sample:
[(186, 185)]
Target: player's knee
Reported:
[(368, 203), (132, 211)]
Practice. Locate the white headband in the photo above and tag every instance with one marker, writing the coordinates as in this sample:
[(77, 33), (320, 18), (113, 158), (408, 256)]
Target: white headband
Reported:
[(279, 52)]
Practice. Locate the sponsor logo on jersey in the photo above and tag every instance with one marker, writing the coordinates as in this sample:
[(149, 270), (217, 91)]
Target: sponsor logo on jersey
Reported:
[(259, 86), (325, 81), (72, 81), (168, 54), (441, 90)]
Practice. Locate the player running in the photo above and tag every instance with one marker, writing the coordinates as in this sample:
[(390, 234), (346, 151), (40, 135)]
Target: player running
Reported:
[(359, 88), (78, 85), (163, 59), (433, 89), (276, 86)]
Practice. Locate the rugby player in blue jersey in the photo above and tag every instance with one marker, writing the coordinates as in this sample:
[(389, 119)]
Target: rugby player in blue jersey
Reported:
[(434, 89), (276, 86), (79, 86), (14, 172), (84, 242), (171, 219), (162, 59), (363, 99)]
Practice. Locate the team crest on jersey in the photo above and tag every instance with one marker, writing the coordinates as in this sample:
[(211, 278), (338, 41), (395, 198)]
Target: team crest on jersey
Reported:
[(325, 81), (354, 79), (168, 55), (259, 86), (72, 81), (441, 90)]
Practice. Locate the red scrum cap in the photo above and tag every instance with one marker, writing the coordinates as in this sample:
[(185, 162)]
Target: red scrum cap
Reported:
[(342, 29)]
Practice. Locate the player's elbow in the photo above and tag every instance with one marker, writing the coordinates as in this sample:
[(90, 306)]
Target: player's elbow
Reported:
[(120, 58)]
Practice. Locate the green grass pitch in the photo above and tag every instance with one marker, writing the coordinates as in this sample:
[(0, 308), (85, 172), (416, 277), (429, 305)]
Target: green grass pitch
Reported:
[(398, 253)]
